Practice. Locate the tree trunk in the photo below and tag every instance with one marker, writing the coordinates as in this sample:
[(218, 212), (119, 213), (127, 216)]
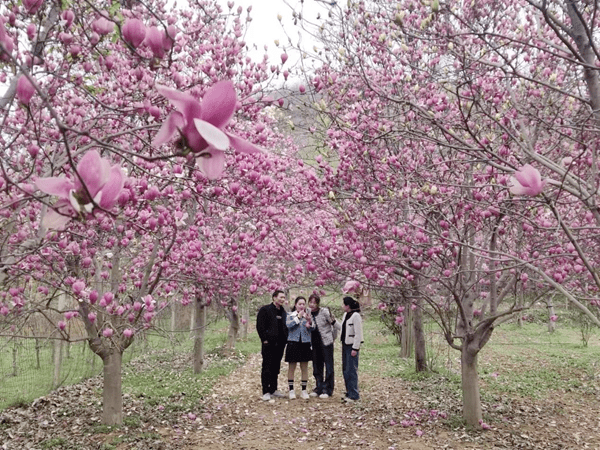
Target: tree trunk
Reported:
[(37, 354), (112, 396), (420, 352), (199, 327), (551, 324), (245, 321), (173, 317), (234, 327), (470, 387), (15, 353), (407, 338), (58, 347)]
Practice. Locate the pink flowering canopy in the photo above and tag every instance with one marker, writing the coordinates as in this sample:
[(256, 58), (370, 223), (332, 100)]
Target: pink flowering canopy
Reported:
[(201, 126)]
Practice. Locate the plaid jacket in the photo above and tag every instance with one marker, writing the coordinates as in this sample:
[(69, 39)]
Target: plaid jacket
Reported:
[(325, 327)]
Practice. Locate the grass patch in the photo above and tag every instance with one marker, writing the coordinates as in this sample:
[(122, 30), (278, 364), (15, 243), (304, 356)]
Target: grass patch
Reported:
[(54, 443), (520, 362), (169, 382)]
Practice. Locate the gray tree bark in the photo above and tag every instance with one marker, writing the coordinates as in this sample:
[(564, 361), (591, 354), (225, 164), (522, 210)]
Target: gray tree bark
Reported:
[(199, 329), (112, 396)]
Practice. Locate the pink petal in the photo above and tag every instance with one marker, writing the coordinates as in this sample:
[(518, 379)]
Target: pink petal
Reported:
[(94, 171), (242, 145), (59, 216), (212, 163), (58, 186), (182, 101), (218, 104), (25, 90), (169, 128), (112, 188), (516, 187), (528, 176), (527, 181), (212, 135)]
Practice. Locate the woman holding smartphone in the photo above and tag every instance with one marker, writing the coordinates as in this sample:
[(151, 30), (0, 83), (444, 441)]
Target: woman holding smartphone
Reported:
[(300, 325)]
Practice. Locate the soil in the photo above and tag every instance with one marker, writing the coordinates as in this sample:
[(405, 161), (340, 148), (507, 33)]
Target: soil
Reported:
[(390, 415)]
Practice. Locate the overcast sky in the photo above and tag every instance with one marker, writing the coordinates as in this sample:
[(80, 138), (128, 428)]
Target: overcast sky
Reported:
[(265, 28)]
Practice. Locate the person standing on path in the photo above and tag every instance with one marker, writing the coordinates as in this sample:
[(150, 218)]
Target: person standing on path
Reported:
[(300, 326), (273, 332), (352, 337), (326, 328)]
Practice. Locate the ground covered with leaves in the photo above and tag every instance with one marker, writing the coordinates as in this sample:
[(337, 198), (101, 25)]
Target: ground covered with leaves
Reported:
[(533, 398)]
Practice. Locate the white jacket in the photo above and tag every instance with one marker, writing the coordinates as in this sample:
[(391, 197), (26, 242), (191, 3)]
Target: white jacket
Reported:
[(354, 330)]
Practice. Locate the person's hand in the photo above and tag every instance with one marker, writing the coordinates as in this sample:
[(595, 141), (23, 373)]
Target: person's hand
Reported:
[(265, 342), (301, 314), (354, 353)]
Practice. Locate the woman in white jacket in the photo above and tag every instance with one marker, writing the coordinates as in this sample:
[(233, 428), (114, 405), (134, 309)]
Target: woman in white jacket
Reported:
[(352, 338)]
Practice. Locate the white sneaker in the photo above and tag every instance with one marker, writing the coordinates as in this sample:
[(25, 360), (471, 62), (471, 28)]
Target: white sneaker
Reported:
[(305, 395), (313, 394), (266, 397), (323, 396), (278, 394), (292, 395)]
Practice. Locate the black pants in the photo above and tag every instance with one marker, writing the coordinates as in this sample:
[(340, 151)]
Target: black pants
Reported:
[(323, 359), (271, 366)]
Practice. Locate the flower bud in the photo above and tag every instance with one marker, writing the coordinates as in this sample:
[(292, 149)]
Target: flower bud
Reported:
[(25, 90), (134, 32)]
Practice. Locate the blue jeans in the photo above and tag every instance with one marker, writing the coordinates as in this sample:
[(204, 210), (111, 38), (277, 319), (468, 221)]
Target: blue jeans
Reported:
[(350, 371), (323, 358)]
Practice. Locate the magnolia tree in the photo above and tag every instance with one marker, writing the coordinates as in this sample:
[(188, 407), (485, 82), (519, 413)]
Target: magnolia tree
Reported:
[(116, 129), (464, 139)]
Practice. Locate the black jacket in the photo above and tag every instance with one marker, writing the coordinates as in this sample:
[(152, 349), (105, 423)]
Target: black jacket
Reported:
[(267, 326)]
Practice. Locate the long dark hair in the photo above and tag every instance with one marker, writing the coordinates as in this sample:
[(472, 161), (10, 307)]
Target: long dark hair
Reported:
[(353, 304), (296, 302)]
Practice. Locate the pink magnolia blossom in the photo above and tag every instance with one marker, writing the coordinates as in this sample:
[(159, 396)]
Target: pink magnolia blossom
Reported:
[(78, 287), (25, 90), (128, 332), (351, 286), (101, 186), (201, 126), (134, 32), (32, 6), (484, 425), (158, 42), (67, 18), (553, 318), (527, 181), (103, 26), (61, 325), (107, 332), (31, 31)]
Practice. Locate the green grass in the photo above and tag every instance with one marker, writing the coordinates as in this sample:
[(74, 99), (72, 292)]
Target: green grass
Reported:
[(181, 390), (31, 382), (56, 442), (523, 361)]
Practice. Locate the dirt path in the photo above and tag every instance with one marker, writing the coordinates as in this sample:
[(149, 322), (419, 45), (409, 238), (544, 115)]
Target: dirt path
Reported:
[(389, 416), (239, 419)]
